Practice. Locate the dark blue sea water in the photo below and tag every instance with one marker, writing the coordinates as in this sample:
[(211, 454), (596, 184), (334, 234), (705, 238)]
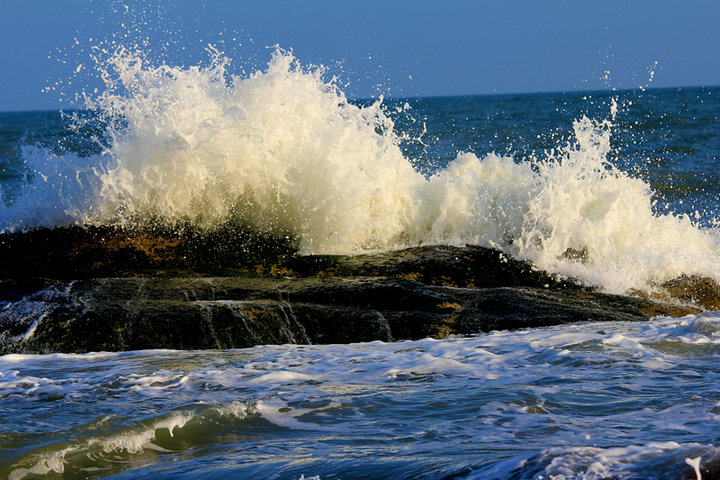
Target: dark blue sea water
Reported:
[(630, 176)]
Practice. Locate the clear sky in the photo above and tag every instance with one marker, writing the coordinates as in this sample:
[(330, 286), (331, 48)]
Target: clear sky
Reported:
[(393, 47)]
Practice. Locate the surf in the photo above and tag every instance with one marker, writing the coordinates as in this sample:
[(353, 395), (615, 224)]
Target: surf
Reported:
[(284, 153)]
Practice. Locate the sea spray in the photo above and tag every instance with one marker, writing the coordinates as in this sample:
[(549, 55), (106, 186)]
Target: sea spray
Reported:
[(283, 152), (280, 152), (584, 204)]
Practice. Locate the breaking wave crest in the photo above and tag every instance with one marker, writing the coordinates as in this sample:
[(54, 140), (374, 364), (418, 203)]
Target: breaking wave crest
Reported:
[(283, 152)]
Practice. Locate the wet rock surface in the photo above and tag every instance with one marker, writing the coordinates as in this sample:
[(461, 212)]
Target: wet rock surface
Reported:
[(80, 290)]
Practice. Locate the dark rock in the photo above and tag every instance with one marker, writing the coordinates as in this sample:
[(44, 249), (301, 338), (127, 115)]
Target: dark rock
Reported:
[(324, 324), (230, 312), (87, 289)]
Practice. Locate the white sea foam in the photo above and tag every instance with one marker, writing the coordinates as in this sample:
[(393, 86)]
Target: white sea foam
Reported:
[(235, 409), (158, 381), (558, 392), (132, 441), (282, 151), (592, 463), (281, 377), (489, 357)]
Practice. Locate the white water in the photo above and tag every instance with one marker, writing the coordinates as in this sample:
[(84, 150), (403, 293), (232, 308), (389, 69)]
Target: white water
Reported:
[(581, 401), (283, 152)]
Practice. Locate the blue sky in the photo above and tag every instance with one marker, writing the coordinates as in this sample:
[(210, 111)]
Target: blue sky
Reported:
[(395, 48)]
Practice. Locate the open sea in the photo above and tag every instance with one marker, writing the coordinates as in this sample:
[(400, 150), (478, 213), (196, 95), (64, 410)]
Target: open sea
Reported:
[(628, 178)]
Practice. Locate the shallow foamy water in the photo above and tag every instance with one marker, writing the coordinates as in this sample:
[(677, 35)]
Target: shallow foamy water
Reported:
[(614, 400)]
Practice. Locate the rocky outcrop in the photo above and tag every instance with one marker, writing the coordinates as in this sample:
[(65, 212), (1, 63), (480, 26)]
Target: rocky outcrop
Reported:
[(80, 290)]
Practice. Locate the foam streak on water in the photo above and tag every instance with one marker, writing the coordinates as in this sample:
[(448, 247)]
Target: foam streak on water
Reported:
[(611, 400), (282, 151)]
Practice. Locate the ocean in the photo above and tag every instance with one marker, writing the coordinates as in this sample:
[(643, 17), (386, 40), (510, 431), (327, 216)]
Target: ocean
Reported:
[(618, 191)]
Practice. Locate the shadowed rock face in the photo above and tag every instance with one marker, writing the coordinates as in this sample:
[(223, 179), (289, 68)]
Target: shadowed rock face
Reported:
[(80, 290)]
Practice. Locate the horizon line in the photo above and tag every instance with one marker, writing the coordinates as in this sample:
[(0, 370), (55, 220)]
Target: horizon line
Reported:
[(453, 95)]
